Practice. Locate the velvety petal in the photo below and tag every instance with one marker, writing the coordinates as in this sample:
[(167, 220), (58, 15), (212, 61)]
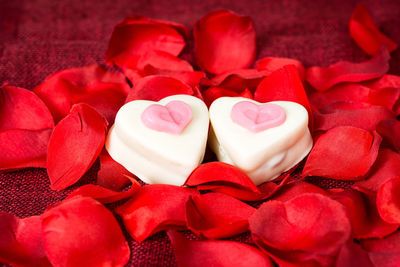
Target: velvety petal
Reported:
[(112, 175), (82, 232), (341, 115), (23, 148), (283, 84), (154, 208), (74, 145), (157, 87), (216, 253), (104, 195), (366, 34), (215, 215), (308, 229), (384, 252), (224, 41), (21, 241), (390, 131), (22, 109), (94, 85), (291, 190), (386, 167), (272, 64), (323, 78), (191, 78), (386, 81), (214, 93), (363, 214), (138, 36), (351, 254), (388, 201), (162, 61)]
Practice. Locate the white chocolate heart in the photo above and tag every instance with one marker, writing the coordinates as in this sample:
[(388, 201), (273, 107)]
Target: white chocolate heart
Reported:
[(262, 155), (156, 156)]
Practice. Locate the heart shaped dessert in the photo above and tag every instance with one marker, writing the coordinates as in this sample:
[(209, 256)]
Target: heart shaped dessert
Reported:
[(160, 142), (263, 140)]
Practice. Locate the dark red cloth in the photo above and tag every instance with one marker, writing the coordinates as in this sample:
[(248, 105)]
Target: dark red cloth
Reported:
[(39, 37)]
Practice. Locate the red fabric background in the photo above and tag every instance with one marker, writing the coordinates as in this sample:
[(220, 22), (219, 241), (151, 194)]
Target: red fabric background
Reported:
[(40, 37)]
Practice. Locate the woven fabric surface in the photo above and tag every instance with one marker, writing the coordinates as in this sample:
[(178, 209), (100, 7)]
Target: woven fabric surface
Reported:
[(40, 37)]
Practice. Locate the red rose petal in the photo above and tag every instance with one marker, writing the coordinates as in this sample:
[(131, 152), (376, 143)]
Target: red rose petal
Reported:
[(386, 167), (112, 175), (23, 148), (74, 145), (224, 41), (295, 189), (82, 232), (272, 64), (343, 71), (157, 87), (138, 36), (283, 84), (366, 34), (213, 93), (344, 153), (341, 115), (238, 80), (91, 84), (215, 215), (154, 208), (363, 214), (216, 253), (388, 201), (21, 241), (390, 131), (103, 195), (22, 109), (224, 178), (352, 254), (386, 81), (162, 61), (308, 229), (384, 252)]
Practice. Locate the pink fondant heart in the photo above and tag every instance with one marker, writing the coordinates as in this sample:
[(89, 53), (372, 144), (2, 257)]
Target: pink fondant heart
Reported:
[(257, 118), (171, 118)]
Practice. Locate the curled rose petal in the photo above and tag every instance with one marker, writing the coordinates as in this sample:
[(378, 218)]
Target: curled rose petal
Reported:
[(224, 178), (386, 81), (390, 131), (21, 241), (162, 61), (215, 215), (112, 175), (224, 41), (341, 115), (216, 253), (366, 34), (82, 232), (22, 109), (91, 84), (384, 252), (23, 148), (154, 208), (238, 80), (363, 214), (214, 93), (388, 201), (351, 254), (308, 229), (104, 195), (343, 71), (272, 64), (74, 145), (283, 84), (157, 87), (137, 36), (295, 189), (345, 153), (386, 167)]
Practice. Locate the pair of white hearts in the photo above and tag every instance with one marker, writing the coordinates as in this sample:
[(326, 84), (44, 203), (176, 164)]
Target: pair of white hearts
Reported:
[(164, 142)]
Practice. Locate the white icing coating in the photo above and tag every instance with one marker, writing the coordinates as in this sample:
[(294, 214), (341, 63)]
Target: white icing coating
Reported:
[(263, 156), (154, 156)]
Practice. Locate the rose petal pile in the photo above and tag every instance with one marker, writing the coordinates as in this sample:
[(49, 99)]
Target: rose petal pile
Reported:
[(61, 125)]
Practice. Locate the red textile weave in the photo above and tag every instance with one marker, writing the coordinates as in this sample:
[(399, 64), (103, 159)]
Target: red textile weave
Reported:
[(40, 37)]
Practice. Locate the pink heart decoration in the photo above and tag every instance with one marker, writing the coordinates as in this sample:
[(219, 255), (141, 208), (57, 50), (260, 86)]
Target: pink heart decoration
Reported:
[(171, 118), (257, 118)]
